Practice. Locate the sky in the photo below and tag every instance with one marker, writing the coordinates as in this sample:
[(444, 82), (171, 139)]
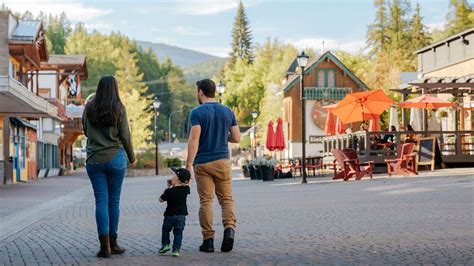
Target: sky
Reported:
[(206, 25)]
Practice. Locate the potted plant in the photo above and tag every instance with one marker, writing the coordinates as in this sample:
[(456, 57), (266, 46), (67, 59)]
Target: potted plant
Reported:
[(254, 169), (267, 167), (244, 164)]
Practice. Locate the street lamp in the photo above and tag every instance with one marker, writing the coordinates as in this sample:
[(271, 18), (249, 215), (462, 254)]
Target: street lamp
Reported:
[(220, 90), (254, 118), (156, 106), (302, 62), (169, 124)]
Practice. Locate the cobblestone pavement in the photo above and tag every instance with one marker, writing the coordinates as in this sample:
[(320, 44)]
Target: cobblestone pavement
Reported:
[(423, 219)]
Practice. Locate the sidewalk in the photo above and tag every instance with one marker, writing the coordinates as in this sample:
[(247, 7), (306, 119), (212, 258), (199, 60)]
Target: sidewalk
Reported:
[(424, 219), (17, 197)]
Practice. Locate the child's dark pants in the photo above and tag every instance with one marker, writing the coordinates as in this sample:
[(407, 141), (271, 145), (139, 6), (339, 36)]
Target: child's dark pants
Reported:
[(175, 223)]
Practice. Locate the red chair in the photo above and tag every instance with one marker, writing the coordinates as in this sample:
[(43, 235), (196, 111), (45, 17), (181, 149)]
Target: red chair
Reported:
[(405, 164), (350, 165)]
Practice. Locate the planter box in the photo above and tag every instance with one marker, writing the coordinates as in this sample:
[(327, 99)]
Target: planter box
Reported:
[(268, 173), (252, 172), (258, 172), (245, 171)]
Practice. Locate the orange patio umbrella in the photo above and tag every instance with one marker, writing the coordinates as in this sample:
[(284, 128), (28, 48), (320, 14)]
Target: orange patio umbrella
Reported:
[(330, 124), (280, 139), (360, 106), (270, 137), (427, 102)]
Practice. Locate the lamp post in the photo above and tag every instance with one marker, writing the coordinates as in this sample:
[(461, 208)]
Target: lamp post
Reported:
[(169, 124), (156, 106), (254, 118), (302, 62), (220, 90)]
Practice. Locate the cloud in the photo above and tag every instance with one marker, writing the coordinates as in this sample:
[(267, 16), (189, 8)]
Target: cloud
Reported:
[(190, 31), (216, 51), (435, 25), (98, 26), (75, 10), (211, 7), (329, 44)]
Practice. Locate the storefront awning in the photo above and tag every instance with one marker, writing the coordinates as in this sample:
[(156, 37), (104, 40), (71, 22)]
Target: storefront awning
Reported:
[(17, 100), (21, 122)]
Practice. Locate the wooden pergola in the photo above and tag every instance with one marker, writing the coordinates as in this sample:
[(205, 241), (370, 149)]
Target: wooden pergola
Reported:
[(456, 86)]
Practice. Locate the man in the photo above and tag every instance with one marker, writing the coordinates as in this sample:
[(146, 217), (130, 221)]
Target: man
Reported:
[(213, 125)]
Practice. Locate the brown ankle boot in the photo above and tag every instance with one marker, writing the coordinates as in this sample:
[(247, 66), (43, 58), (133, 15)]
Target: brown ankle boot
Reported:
[(104, 251), (114, 247)]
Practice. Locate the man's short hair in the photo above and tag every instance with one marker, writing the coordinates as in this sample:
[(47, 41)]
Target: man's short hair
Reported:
[(208, 87)]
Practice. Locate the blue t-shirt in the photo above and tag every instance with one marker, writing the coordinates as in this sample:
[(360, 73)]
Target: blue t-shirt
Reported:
[(215, 120)]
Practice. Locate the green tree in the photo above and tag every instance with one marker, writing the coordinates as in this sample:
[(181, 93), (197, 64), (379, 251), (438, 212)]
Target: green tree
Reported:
[(100, 53), (460, 17), (398, 26), (247, 84), (241, 38), (132, 89), (58, 29), (419, 34), (377, 37)]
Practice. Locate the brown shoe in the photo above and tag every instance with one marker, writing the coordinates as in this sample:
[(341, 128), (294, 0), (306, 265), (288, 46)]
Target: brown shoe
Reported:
[(114, 247), (104, 251)]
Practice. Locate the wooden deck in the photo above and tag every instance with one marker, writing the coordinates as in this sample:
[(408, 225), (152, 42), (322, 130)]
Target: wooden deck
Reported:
[(457, 147)]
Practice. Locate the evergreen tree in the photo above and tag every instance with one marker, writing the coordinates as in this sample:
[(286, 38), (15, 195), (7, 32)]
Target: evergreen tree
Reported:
[(377, 32), (419, 34), (241, 38), (58, 28), (398, 25), (460, 17)]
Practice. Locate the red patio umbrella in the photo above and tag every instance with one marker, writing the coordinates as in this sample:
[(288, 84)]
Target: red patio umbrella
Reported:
[(270, 137), (340, 126), (330, 125), (280, 138), (427, 102)]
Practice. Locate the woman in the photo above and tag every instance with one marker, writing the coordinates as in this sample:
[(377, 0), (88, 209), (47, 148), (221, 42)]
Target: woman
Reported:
[(108, 139)]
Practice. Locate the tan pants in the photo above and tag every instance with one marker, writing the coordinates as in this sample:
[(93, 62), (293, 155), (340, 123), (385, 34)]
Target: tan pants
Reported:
[(210, 177)]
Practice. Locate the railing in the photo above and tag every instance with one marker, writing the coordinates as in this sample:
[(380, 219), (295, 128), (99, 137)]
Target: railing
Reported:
[(326, 93), (459, 144), (73, 125)]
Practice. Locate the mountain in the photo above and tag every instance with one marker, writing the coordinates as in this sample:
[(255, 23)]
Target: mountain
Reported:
[(179, 56), (205, 69)]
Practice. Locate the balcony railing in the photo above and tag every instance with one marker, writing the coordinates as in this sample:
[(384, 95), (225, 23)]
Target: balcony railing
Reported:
[(326, 93), (73, 125)]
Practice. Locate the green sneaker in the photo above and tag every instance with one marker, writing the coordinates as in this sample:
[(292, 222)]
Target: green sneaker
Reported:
[(165, 249), (176, 253)]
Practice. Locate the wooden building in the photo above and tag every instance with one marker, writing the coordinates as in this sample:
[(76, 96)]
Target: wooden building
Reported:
[(327, 80)]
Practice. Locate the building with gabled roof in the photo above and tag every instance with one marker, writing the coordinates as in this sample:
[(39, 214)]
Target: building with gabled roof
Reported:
[(327, 80)]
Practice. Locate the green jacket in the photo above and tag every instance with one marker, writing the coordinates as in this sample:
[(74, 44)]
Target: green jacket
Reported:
[(103, 144)]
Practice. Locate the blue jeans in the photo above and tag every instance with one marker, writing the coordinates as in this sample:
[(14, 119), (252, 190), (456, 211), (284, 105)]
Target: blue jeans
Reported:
[(107, 179), (175, 223)]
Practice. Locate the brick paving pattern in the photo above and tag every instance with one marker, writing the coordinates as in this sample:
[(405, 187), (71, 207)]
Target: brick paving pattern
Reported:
[(382, 221)]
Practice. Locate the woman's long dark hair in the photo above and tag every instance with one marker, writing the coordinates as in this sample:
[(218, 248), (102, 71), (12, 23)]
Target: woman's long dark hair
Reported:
[(104, 109)]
